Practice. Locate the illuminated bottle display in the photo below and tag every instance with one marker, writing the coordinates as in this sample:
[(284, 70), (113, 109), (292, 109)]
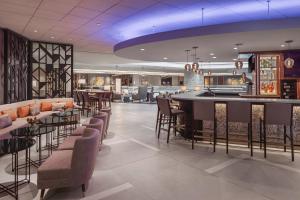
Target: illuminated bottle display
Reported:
[(268, 74)]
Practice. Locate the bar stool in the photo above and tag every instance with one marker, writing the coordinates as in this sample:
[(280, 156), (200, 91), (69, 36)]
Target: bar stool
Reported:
[(104, 117), (157, 115), (107, 98), (279, 114), (239, 112), (87, 103), (205, 111), (168, 114)]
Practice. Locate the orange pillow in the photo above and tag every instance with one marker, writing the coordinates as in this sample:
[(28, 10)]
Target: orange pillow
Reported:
[(69, 104), (46, 106), (12, 113), (23, 111)]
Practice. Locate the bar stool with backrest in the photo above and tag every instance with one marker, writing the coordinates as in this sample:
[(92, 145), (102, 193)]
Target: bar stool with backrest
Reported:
[(204, 111), (157, 118), (75, 96), (107, 98), (87, 103), (80, 98), (170, 115), (240, 112), (279, 114)]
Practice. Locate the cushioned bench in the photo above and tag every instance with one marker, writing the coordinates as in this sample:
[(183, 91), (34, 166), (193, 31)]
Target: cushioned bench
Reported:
[(22, 122)]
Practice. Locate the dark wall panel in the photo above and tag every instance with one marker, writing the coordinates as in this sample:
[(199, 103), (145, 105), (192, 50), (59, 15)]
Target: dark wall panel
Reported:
[(16, 67), (1, 66)]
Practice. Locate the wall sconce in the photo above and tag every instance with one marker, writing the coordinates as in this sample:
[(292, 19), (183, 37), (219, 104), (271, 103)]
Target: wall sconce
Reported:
[(82, 81)]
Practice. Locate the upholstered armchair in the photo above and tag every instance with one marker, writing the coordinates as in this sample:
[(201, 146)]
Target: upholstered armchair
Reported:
[(105, 117), (70, 168), (96, 123)]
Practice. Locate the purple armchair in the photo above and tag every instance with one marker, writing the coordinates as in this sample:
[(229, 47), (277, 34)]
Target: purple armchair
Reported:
[(70, 168), (96, 123)]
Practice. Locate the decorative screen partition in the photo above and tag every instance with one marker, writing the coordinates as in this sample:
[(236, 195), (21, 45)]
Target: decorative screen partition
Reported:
[(1, 66), (16, 67), (52, 70)]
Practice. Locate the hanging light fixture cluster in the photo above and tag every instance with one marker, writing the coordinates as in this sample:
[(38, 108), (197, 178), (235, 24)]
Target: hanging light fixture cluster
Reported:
[(187, 66), (195, 65)]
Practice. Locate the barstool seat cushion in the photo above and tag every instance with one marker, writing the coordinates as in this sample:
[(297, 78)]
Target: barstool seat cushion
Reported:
[(68, 143), (177, 112)]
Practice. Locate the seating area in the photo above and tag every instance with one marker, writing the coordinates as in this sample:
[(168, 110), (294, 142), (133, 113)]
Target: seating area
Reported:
[(55, 126), (205, 111), (20, 112), (93, 101), (149, 100)]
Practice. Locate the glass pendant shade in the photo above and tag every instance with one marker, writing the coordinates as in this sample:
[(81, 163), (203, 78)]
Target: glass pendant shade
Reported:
[(195, 66), (187, 67), (239, 64)]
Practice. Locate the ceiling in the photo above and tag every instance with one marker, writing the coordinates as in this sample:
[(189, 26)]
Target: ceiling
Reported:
[(212, 47), (97, 25), (99, 63)]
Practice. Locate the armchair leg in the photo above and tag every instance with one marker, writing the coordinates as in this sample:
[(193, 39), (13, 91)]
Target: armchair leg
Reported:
[(83, 189), (42, 194)]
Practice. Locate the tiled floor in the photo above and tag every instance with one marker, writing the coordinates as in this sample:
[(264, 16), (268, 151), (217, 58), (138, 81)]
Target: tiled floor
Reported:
[(134, 165)]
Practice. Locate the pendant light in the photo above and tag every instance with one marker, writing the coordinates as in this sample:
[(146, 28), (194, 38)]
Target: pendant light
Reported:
[(238, 63), (195, 65), (289, 62), (202, 16), (187, 66), (200, 71)]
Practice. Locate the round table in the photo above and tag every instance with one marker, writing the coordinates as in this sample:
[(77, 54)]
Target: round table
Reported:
[(13, 146)]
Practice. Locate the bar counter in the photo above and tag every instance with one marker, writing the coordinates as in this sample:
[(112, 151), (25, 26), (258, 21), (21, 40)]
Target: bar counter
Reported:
[(274, 132)]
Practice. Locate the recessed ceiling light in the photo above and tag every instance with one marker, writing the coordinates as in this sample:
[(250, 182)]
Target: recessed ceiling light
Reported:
[(165, 58), (98, 24), (235, 48), (35, 31), (282, 45), (214, 57), (212, 54), (234, 59), (142, 49), (52, 37)]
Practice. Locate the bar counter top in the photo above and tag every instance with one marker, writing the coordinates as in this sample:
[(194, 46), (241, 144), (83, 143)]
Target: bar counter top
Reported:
[(196, 96)]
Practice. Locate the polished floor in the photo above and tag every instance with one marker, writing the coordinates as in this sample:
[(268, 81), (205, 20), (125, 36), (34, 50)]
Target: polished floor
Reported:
[(134, 165)]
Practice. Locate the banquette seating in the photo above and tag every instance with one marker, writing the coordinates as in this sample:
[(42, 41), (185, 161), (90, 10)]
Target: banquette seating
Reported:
[(19, 112)]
